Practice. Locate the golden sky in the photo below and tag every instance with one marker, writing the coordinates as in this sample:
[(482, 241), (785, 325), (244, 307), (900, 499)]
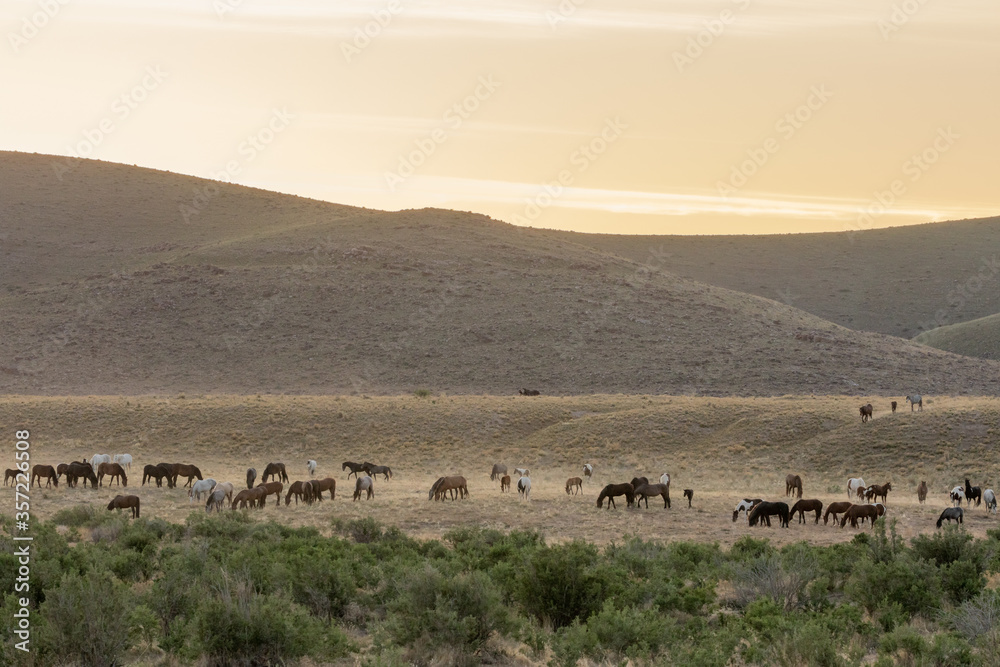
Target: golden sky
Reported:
[(623, 116)]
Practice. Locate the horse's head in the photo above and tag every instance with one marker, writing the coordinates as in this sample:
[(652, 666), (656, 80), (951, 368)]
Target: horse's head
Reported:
[(736, 515)]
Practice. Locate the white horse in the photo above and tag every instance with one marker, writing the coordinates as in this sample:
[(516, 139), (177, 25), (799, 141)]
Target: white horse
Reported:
[(916, 400), (124, 460), (958, 495), (744, 505), (588, 470), (524, 486), (98, 459), (990, 499), (523, 472), (216, 499), (226, 487), (311, 466), (854, 485), (200, 487)]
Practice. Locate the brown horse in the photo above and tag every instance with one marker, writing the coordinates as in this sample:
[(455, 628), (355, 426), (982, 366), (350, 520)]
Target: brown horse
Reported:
[(922, 492), (271, 488), (505, 483), (276, 470), (327, 484), (804, 506), (874, 491), (835, 509), (301, 490), (855, 513), (157, 472), (866, 412), (40, 472), (793, 485), (499, 470), (612, 491), (125, 502), (893, 404), (76, 470), (639, 481), (366, 484), (12, 473), (689, 494), (574, 483), (250, 497), (113, 471), (355, 468), (646, 490), (314, 493), (185, 470), (765, 510), (451, 485)]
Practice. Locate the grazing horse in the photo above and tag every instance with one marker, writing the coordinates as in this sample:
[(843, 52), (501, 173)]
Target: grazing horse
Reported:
[(973, 493), (355, 468), (311, 466), (505, 483), (301, 490), (745, 505), (326, 484), (529, 392), (990, 499), (76, 470), (915, 400), (374, 470), (216, 499), (40, 472), (364, 484), (524, 487), (588, 470), (124, 460), (611, 491), (186, 470), (957, 495), (574, 483), (951, 514), (453, 485), (793, 484), (835, 509), (112, 470), (893, 404), (866, 412), (765, 510), (201, 486), (60, 470), (689, 494), (875, 491), (499, 470), (271, 488), (276, 470), (856, 487), (251, 477), (804, 506), (250, 497), (12, 473), (315, 495), (157, 472), (862, 512), (922, 492), (126, 502), (227, 487), (644, 491)]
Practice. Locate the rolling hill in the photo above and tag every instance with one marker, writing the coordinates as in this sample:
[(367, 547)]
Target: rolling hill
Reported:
[(112, 285), (976, 338)]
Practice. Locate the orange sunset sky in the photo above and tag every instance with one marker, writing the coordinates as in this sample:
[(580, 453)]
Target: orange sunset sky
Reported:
[(625, 116)]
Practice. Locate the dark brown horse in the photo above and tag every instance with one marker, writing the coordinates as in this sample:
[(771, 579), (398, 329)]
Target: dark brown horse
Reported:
[(451, 485), (40, 472), (689, 494), (875, 491), (250, 498), (893, 405), (113, 471), (315, 495), (855, 513), (125, 502), (866, 412), (505, 483), (574, 485), (374, 470), (922, 492), (301, 490), (12, 473), (765, 510), (271, 488), (157, 472), (793, 485), (276, 470), (354, 467), (973, 493), (185, 470), (76, 470), (612, 491), (643, 493), (639, 481), (364, 484), (835, 509), (804, 506)]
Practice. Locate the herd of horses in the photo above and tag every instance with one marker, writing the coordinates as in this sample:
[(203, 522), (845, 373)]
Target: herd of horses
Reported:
[(915, 401)]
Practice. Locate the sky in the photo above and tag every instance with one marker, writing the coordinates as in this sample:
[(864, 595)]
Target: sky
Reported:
[(610, 116)]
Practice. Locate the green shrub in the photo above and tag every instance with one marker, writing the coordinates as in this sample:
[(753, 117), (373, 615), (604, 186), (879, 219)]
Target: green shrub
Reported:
[(614, 635), (750, 548), (913, 584)]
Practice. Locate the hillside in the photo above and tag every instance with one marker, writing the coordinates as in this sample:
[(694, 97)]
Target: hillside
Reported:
[(109, 291), (976, 338)]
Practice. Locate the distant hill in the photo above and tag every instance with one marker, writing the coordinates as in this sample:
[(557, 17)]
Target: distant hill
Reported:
[(977, 338), (108, 288)]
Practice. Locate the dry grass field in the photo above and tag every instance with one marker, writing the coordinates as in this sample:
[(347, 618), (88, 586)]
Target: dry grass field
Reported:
[(724, 449)]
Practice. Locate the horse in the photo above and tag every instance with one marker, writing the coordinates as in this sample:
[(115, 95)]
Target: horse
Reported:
[(893, 404), (793, 483), (374, 470), (951, 514), (973, 493), (957, 495), (665, 479), (276, 470), (880, 509), (250, 497), (529, 392), (311, 466), (866, 412), (201, 486), (315, 495), (216, 499), (689, 494), (862, 512), (611, 491), (301, 490), (990, 499), (60, 470), (251, 477), (803, 506), (856, 487), (125, 502), (355, 468), (169, 467), (364, 484), (499, 470), (124, 460), (745, 505), (40, 472), (98, 459), (76, 470), (505, 483), (914, 400), (455, 485), (157, 472), (524, 487), (835, 509), (922, 492), (12, 473), (185, 470), (226, 487), (270, 488), (588, 470), (765, 510), (874, 491), (574, 483), (112, 470), (644, 491), (326, 484), (639, 481)]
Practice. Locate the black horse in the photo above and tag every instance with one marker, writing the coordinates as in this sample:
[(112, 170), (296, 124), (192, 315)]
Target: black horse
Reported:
[(355, 468), (973, 493), (765, 510)]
